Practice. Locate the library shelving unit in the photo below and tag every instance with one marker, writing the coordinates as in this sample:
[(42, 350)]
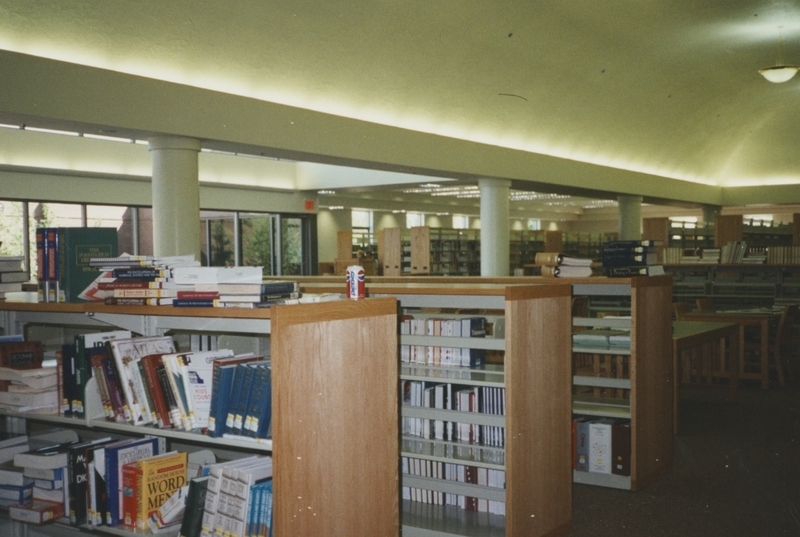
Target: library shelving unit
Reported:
[(536, 378), (640, 386), (444, 252), (334, 455), (735, 285)]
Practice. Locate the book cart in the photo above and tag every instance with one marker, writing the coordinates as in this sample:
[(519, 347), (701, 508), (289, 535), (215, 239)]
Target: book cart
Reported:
[(629, 382), (334, 376), (532, 327)]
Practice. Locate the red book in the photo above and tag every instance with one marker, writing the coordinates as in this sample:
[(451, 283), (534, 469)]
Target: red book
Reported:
[(37, 512), (21, 354), (149, 364), (131, 477)]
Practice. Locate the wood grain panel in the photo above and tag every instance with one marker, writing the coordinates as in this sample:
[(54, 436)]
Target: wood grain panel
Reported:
[(538, 411), (344, 245), (553, 241), (391, 255), (651, 380), (727, 228), (420, 250), (335, 434)]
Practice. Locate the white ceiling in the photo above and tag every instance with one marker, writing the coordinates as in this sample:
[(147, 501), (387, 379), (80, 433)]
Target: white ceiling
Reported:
[(670, 89)]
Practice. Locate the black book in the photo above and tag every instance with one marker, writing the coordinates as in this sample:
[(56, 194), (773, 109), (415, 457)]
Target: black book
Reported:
[(77, 466), (195, 503)]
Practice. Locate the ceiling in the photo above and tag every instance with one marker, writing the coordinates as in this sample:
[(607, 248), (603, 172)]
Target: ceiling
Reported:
[(666, 90)]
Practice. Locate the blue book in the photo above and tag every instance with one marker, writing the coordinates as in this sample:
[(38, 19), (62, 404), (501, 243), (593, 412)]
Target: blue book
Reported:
[(221, 393), (117, 455), (259, 412), (240, 409)]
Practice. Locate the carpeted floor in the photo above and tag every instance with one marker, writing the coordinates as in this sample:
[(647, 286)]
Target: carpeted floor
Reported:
[(736, 473)]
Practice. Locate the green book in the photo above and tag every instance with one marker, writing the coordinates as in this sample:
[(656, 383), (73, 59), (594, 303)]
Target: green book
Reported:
[(76, 245)]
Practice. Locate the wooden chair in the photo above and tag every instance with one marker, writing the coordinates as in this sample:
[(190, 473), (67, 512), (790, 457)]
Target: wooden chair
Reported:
[(780, 344), (705, 304), (679, 308)]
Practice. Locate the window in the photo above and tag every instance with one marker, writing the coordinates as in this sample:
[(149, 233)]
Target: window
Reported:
[(415, 220), (460, 221), (534, 224)]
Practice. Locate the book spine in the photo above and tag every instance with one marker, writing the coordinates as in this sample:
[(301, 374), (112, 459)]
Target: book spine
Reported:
[(192, 303), (169, 395), (131, 497), (53, 253), (160, 407), (99, 375)]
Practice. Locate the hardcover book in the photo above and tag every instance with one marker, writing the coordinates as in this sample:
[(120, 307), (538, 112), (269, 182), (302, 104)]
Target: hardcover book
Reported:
[(21, 354), (195, 505), (127, 353), (77, 465), (196, 370), (76, 246), (83, 369), (148, 483), (37, 512), (116, 456)]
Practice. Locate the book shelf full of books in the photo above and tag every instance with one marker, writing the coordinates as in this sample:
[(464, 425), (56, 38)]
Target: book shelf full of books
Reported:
[(622, 379), (332, 475), (485, 445)]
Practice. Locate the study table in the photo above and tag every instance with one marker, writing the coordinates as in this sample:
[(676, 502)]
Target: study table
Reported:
[(758, 317), (688, 335)]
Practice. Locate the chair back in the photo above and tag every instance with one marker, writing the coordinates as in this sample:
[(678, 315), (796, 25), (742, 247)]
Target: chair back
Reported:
[(679, 308)]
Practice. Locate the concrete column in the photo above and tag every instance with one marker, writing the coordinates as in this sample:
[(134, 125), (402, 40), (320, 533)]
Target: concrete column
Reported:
[(710, 213), (176, 196), (494, 227), (630, 217)]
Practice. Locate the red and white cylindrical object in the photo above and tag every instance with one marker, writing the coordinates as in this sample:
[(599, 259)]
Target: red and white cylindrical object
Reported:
[(356, 282)]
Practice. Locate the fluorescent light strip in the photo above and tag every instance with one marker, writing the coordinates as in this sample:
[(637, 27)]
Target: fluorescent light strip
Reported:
[(3, 125), (51, 131), (108, 138)]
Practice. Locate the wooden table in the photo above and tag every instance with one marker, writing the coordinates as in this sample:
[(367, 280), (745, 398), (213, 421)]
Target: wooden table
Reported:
[(691, 334), (759, 317)]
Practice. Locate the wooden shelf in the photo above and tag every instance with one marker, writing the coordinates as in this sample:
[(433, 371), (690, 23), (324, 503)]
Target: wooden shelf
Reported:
[(322, 376)]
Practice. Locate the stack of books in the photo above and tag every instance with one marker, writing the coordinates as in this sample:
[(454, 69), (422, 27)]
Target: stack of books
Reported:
[(557, 265), (241, 402), (63, 271), (12, 275), (180, 281), (631, 258), (733, 252)]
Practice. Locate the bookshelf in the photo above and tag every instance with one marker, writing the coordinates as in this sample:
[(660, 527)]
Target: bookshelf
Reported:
[(444, 252), (640, 386), (536, 379), (735, 285), (326, 363)]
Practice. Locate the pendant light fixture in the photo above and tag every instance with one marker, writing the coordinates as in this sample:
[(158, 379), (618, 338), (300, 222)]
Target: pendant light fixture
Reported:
[(780, 72)]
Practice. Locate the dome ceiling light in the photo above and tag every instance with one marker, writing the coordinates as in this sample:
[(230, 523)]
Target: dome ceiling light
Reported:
[(780, 72)]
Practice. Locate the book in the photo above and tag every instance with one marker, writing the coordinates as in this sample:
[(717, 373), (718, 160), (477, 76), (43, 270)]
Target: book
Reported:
[(221, 383), (36, 379), (170, 513), (10, 475), (196, 369), (11, 494), (566, 271), (127, 353), (195, 275), (258, 415), (148, 483), (48, 457), (69, 390), (558, 259), (615, 259), (195, 505), (13, 263), (14, 277), (83, 369), (37, 512), (115, 457), (76, 246), (638, 270), (77, 469), (21, 354), (621, 447), (581, 444), (600, 445), (160, 405), (34, 400)]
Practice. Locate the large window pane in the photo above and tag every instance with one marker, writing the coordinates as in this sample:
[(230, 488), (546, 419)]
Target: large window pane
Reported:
[(117, 217), (291, 246), (257, 241), (12, 227), (216, 238)]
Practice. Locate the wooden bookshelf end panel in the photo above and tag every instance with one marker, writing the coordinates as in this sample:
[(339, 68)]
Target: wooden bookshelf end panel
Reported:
[(336, 428), (538, 413), (651, 380)]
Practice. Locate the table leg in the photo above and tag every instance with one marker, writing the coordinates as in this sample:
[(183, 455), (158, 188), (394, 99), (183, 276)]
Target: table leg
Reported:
[(765, 354)]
